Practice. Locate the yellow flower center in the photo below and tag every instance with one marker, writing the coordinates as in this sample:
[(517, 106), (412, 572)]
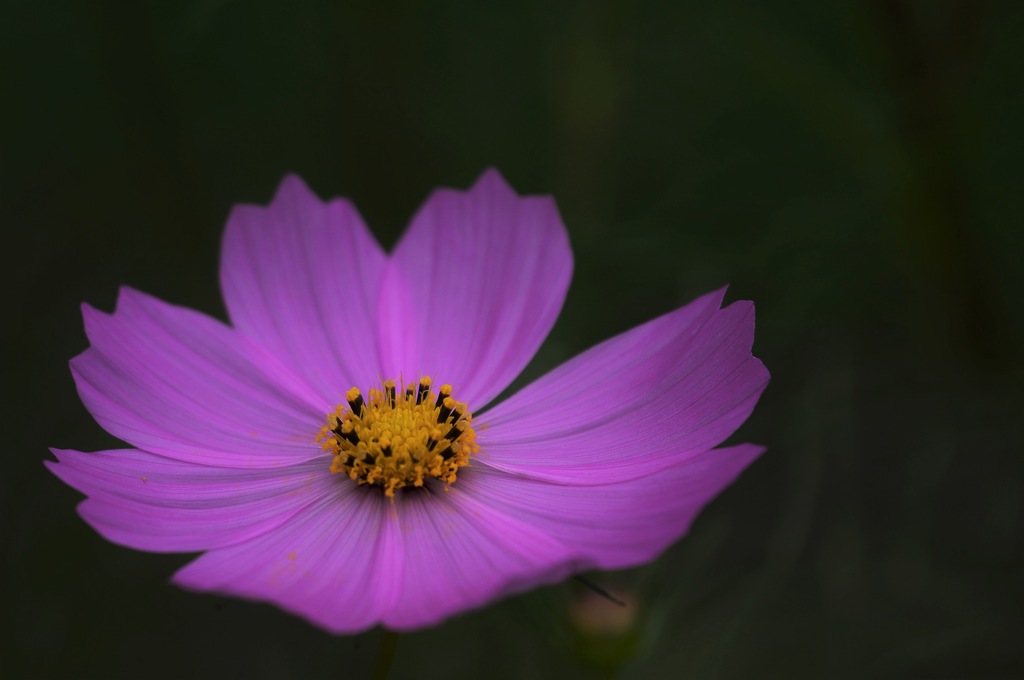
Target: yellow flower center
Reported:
[(398, 438)]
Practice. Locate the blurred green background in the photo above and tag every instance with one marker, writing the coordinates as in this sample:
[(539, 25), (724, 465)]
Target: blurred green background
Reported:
[(855, 168)]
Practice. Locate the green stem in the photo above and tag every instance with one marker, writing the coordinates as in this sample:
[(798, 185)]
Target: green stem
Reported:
[(386, 655)]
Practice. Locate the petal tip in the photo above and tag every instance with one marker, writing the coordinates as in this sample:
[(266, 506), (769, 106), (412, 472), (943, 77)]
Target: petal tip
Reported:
[(127, 296), (89, 312), (491, 181), (57, 453), (292, 184), (492, 174)]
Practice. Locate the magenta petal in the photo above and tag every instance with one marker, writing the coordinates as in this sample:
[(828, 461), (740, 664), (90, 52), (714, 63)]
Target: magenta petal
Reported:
[(619, 525), (301, 277), (177, 383), (158, 504), (333, 562), (474, 287), (651, 397), (459, 554)]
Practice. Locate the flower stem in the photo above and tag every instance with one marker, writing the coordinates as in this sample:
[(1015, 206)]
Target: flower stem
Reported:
[(386, 655)]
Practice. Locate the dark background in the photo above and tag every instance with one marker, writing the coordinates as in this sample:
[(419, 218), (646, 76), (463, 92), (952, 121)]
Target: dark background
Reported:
[(853, 167)]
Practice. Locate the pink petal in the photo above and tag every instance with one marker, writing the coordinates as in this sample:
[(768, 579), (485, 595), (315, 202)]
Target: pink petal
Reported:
[(473, 288), (617, 525), (177, 383), (357, 559), (301, 278), (651, 397), (158, 504), (459, 553), (335, 562)]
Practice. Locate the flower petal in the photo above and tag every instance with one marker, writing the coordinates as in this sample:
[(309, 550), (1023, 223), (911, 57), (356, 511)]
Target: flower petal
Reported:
[(301, 278), (474, 287), (158, 504), (613, 526), (178, 383), (459, 554), (357, 559), (649, 398), (334, 562)]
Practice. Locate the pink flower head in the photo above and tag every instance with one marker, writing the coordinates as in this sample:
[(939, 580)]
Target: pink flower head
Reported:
[(402, 501)]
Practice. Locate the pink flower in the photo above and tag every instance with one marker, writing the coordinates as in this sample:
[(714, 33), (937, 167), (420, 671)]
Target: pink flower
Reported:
[(410, 508)]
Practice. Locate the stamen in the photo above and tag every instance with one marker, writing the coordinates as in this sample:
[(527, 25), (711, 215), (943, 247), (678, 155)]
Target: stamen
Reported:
[(348, 432), (355, 400), (446, 451), (446, 409), (424, 389), (455, 431), (393, 443)]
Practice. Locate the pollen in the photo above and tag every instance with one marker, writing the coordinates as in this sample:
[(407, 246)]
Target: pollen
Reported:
[(394, 438)]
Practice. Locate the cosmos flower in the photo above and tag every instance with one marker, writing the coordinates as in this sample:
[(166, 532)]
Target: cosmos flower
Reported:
[(329, 451)]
